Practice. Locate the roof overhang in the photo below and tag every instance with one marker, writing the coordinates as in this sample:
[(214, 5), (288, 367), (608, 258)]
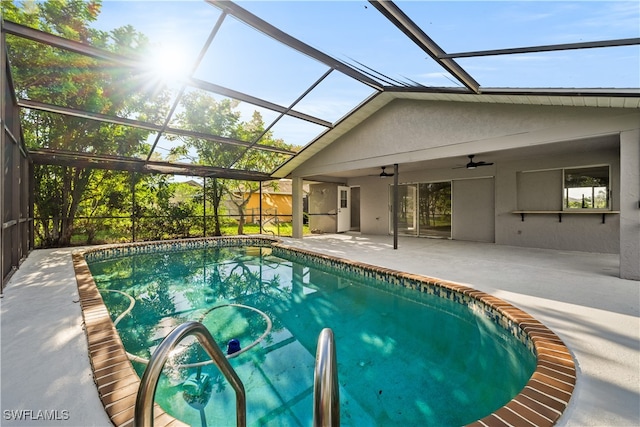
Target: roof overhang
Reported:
[(597, 97)]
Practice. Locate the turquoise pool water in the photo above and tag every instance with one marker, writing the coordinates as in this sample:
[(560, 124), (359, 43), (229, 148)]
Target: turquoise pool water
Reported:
[(404, 357)]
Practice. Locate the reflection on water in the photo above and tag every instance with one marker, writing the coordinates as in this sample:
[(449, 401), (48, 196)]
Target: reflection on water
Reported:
[(404, 357)]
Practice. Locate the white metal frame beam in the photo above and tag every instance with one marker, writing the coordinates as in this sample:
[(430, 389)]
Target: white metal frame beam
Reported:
[(405, 24), (545, 48), (284, 38)]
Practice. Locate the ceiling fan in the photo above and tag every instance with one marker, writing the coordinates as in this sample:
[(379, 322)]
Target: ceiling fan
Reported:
[(384, 174), (472, 164)]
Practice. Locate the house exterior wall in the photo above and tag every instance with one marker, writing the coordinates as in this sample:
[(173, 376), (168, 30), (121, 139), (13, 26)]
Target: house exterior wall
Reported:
[(630, 205), (406, 131), (576, 232), (473, 210), (272, 204), (323, 203)]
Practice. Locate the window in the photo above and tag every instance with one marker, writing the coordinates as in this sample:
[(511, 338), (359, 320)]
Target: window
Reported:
[(586, 188), (343, 199)]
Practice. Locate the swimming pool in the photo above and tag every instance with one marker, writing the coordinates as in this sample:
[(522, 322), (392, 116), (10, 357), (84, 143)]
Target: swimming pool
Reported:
[(388, 374)]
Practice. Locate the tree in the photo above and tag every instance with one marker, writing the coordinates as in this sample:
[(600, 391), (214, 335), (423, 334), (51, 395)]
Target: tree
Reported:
[(105, 206), (257, 160), (165, 209), (203, 113), (435, 203), (61, 77)]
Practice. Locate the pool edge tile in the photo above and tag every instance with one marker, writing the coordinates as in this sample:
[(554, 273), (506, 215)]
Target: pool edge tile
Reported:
[(106, 352), (541, 402)]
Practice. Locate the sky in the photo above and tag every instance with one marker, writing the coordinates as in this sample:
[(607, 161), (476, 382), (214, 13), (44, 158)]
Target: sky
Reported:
[(353, 31)]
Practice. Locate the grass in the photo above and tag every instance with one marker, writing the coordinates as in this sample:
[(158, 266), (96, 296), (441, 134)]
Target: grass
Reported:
[(284, 229)]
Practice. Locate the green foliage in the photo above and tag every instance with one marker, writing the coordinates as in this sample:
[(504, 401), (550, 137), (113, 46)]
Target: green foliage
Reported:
[(202, 113), (59, 77), (586, 188), (434, 204), (91, 205)]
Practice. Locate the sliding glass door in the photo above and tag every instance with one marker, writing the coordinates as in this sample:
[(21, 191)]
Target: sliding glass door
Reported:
[(435, 209), (425, 209), (407, 218)]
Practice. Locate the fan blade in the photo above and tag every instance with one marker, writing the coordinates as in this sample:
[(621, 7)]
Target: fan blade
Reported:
[(472, 164), (383, 174)]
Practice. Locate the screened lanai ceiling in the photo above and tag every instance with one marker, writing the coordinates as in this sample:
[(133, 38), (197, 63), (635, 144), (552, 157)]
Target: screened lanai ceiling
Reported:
[(304, 67)]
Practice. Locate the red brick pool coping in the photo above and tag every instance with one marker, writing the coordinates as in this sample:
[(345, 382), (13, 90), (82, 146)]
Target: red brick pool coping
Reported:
[(540, 403), (113, 373)]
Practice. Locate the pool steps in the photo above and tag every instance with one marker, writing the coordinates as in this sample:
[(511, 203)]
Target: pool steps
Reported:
[(143, 411), (326, 391), (326, 395)]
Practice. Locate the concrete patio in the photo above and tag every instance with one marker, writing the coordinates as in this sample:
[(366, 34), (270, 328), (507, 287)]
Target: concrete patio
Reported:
[(46, 373)]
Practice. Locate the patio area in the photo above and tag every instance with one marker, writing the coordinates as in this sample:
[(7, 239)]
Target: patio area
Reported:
[(45, 367)]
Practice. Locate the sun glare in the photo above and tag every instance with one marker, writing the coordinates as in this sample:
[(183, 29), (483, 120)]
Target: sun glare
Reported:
[(168, 64)]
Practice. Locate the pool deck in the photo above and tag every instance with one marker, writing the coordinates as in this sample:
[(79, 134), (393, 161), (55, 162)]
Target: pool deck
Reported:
[(44, 362)]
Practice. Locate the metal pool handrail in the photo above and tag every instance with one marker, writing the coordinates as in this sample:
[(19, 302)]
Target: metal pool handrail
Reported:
[(143, 412), (326, 396)]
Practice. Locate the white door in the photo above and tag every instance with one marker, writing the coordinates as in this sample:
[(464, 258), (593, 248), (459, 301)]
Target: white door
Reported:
[(344, 209)]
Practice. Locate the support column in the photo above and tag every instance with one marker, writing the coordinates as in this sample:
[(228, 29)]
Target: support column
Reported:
[(133, 207), (3, 140), (260, 210), (630, 204), (297, 219), (204, 206), (396, 205)]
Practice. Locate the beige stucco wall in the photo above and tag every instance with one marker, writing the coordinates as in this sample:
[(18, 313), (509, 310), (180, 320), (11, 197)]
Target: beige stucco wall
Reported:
[(323, 199), (630, 205), (576, 232), (473, 210), (406, 131)]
